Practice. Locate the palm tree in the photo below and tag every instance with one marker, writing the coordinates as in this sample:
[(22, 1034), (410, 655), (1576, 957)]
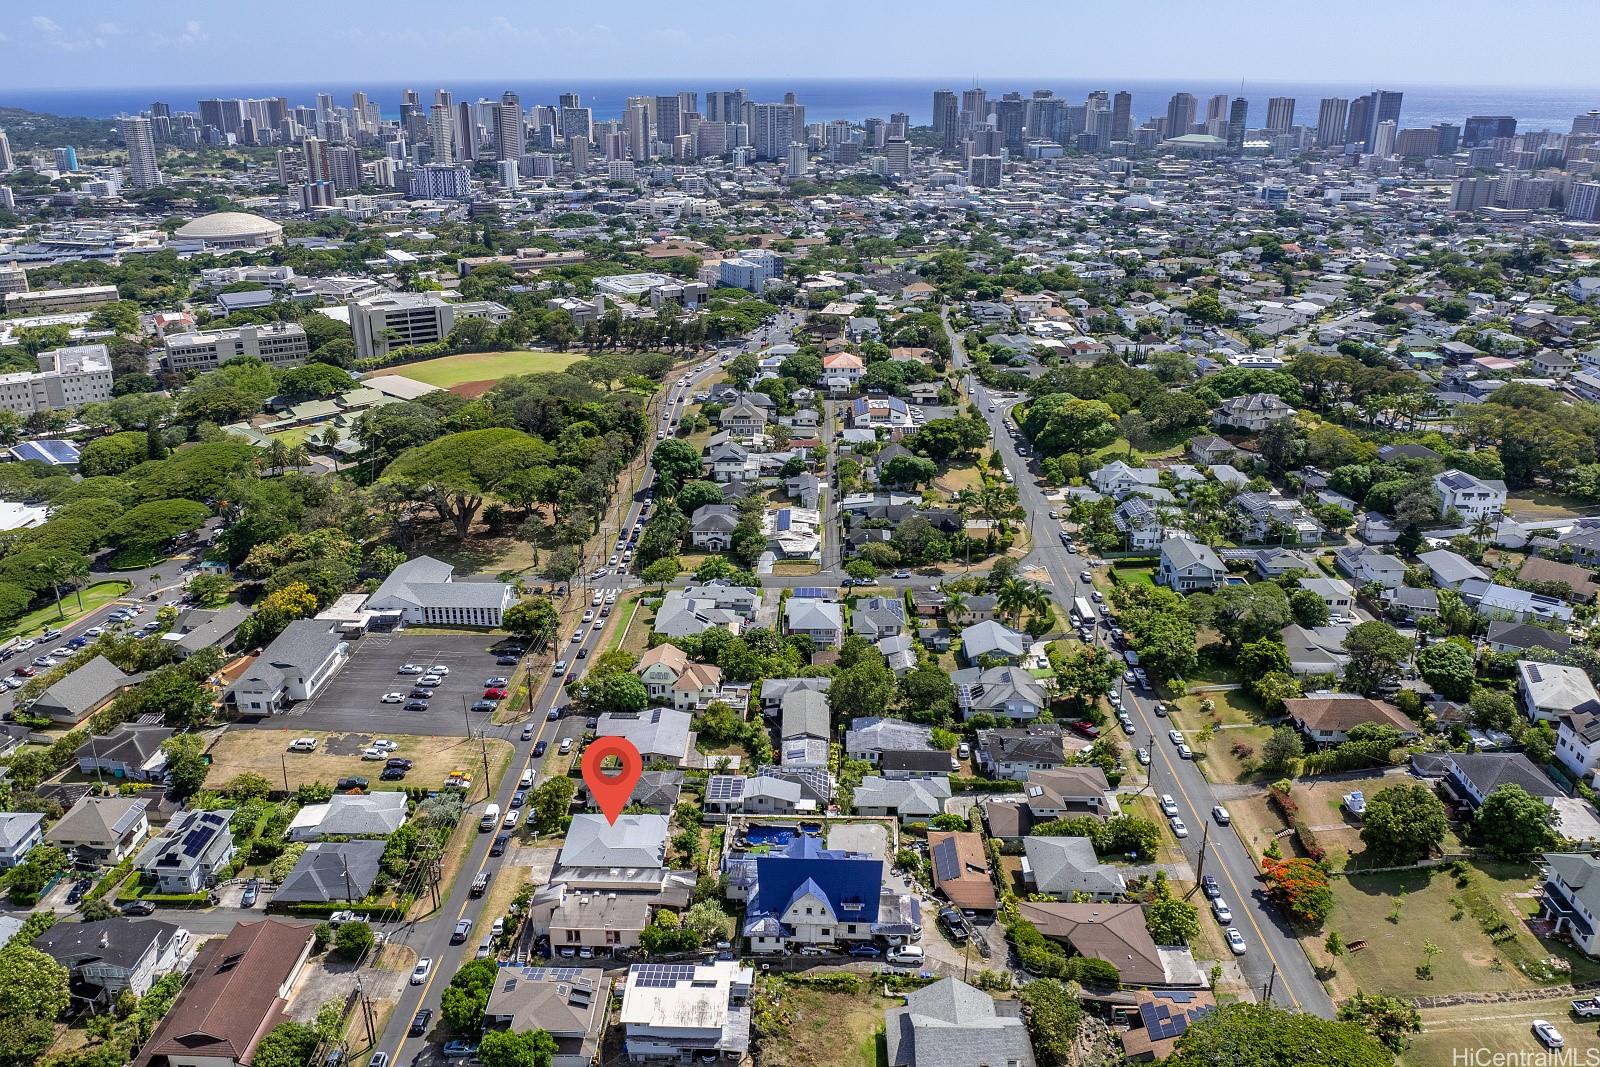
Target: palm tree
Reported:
[(277, 454), (954, 601), (1013, 598), (65, 570), (1483, 528)]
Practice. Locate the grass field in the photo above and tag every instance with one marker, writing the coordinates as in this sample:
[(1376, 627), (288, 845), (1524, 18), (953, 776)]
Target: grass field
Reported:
[(266, 752), (97, 595), (1450, 1035), (448, 371), (1438, 909), (830, 1029)]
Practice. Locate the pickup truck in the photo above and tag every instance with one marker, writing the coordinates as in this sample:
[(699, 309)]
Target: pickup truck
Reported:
[(1587, 1009)]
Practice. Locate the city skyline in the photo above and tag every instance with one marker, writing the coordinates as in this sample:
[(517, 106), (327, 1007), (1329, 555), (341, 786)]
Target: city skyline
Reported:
[(101, 43)]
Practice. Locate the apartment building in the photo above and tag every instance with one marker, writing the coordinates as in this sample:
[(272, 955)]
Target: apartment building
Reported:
[(45, 301), (66, 378), (280, 344)]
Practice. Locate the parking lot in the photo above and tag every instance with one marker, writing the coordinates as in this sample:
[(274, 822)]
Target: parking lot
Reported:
[(352, 701)]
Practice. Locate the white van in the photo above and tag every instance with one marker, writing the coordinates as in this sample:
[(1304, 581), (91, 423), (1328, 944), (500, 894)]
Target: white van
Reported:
[(491, 818), (907, 955), (527, 778)]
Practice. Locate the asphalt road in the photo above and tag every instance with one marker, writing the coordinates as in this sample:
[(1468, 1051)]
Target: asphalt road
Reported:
[(430, 938), (1273, 958)]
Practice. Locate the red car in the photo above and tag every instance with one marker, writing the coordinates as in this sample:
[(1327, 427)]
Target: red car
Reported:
[(496, 693), (25, 671), (1085, 728)]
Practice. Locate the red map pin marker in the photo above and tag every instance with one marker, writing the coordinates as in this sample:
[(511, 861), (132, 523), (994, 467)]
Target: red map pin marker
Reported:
[(611, 790)]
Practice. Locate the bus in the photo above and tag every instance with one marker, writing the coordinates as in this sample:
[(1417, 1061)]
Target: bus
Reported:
[(1082, 611)]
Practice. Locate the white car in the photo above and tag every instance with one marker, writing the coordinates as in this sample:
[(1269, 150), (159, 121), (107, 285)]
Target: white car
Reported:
[(303, 744), (383, 744), (1220, 814), (1220, 909), (1547, 1035), (94, 631), (511, 819), (1236, 943), (430, 680), (419, 973), (1169, 807), (393, 698), (1175, 736), (1184, 751), (439, 669), (409, 668), (374, 754), (1178, 827), (1144, 757), (588, 615), (907, 955)]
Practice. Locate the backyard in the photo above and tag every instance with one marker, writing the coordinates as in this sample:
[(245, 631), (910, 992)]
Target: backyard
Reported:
[(1475, 921), (1233, 750), (471, 367), (266, 752), (827, 1029)]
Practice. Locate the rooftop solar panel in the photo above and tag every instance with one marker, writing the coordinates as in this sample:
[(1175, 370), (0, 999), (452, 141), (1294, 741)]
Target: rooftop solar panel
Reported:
[(946, 866)]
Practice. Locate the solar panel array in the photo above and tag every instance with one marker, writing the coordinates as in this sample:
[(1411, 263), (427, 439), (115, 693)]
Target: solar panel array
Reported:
[(809, 592), (724, 787), (946, 865), (196, 840), (551, 974), (1170, 1016), (661, 975), (57, 452)]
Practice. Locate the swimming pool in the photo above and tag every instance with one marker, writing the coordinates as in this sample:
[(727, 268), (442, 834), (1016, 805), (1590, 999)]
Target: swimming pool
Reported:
[(770, 835)]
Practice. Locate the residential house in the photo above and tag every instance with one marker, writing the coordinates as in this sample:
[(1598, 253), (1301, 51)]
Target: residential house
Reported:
[(879, 617), (907, 799), (712, 525), (295, 667), (1162, 1017), (350, 815), (841, 371), (1208, 449), (1187, 566), (736, 794), (1551, 690), (568, 1004), (728, 461), (1253, 412), (128, 752), (694, 1012), (952, 1024), (1327, 719), (101, 830), (1068, 793), (916, 763), (81, 693), (659, 669), (773, 690), (187, 856), (655, 791), (332, 870), (975, 609), (1472, 497), (1008, 691), (992, 642), (237, 989), (1578, 740), (869, 738), (1115, 933), (1117, 479), (880, 412), (423, 592), (1014, 753), (804, 715), (1580, 588), (695, 609), (794, 533), (628, 855), (1334, 592), (1067, 867), (1264, 517), (743, 418), (1569, 898), (1365, 566), (805, 894), (1494, 601), (1140, 524), (1315, 650), (961, 869), (1505, 636), (658, 733), (820, 620), (1413, 603), (105, 957), (1472, 776), (19, 832), (202, 628), (1450, 569)]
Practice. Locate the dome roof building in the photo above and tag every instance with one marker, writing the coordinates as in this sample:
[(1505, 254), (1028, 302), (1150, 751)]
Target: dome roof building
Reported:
[(231, 229)]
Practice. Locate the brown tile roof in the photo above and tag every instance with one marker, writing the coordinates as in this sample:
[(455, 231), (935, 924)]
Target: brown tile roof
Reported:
[(1006, 818), (1339, 714), (235, 994), (1112, 932), (1539, 569), (971, 886)]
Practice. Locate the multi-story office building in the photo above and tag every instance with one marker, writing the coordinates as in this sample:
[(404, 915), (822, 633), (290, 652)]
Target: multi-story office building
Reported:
[(575, 121), (984, 172), (281, 344), (66, 378), (751, 269), (1481, 129), (142, 171), (1180, 114), (897, 156), (393, 320), (1358, 126), (1280, 114), (75, 298), (725, 106), (668, 123), (1122, 116), (1449, 137), (1010, 118), (441, 134), (1332, 117)]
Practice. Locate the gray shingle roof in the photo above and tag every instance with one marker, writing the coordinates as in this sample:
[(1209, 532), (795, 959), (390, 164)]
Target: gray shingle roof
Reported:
[(343, 870)]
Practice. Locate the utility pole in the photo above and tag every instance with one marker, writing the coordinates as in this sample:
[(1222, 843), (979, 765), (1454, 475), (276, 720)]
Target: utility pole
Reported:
[(1205, 837), (1271, 981), (284, 760)]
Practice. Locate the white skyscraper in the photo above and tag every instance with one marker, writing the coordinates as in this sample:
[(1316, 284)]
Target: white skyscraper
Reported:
[(140, 139), (441, 133), (508, 129), (799, 160), (6, 162), (508, 175), (1383, 139)]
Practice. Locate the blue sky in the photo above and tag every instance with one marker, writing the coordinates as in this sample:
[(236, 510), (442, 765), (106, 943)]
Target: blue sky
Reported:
[(86, 43)]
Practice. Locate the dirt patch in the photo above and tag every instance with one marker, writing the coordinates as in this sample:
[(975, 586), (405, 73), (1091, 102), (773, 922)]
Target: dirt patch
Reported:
[(472, 389), (338, 755)]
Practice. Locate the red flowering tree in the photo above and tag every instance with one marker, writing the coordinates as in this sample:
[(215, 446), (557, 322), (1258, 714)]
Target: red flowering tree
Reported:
[(1300, 887)]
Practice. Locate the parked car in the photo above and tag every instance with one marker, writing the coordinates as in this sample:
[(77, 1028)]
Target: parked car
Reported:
[(1169, 807), (1220, 909), (353, 782), (416, 705), (484, 706), (392, 774), (409, 668), (527, 731), (907, 955), (134, 908), (399, 762), (303, 744), (252, 891), (866, 951), (419, 1022), (1547, 1035), (393, 698), (506, 661), (463, 928), (1178, 827), (1220, 814), (501, 840), (78, 890), (1236, 943), (1209, 886)]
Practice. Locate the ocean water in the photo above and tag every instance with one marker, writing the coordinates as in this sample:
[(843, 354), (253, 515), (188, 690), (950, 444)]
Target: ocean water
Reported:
[(1535, 108)]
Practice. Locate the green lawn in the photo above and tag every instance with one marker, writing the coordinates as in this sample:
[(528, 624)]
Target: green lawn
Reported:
[(448, 371), (1438, 909), (1136, 574), (94, 596)]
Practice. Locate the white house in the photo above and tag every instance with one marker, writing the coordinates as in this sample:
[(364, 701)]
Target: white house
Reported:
[(423, 591), (1473, 497), (1550, 690), (1187, 566), (1570, 898), (1334, 592), (691, 1012), (1254, 412), (296, 666), (19, 832), (1578, 740)]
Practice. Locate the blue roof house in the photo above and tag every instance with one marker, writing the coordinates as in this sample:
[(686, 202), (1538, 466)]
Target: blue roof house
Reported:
[(806, 894)]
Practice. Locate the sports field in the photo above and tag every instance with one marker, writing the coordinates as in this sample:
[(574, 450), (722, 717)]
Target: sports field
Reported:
[(449, 371)]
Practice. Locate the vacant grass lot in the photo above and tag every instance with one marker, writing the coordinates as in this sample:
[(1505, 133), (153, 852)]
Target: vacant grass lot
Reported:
[(94, 596), (1437, 908), (266, 752), (1451, 1034), (830, 1029), (449, 371)]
